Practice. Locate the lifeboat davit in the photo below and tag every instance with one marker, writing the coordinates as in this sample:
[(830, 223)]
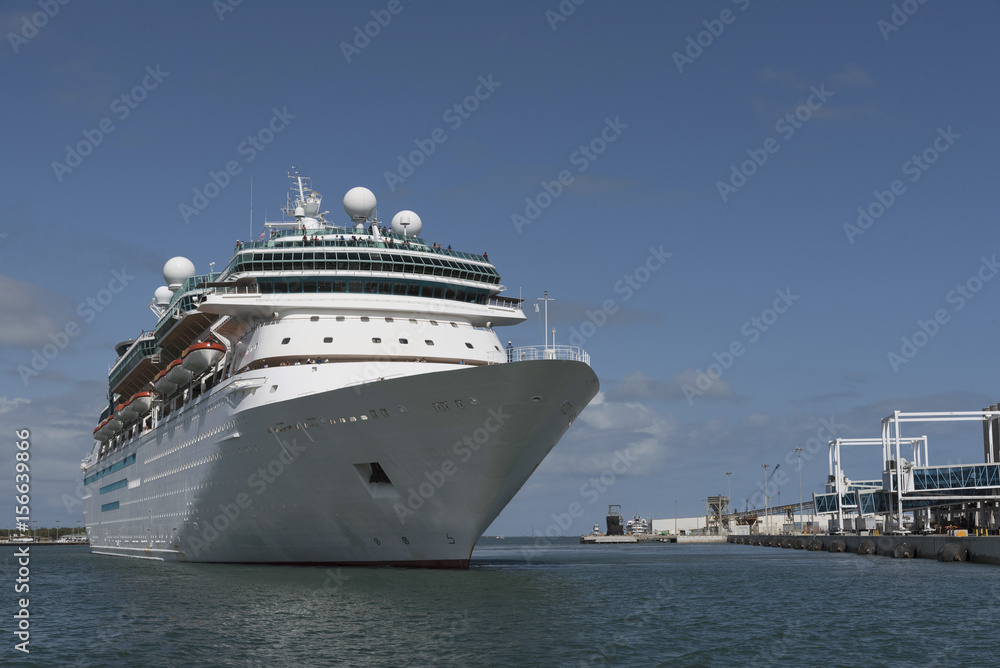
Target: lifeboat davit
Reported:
[(201, 356), (176, 374), (162, 385)]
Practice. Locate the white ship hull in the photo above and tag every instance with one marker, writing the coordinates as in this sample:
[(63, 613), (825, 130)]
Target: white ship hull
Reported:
[(270, 466)]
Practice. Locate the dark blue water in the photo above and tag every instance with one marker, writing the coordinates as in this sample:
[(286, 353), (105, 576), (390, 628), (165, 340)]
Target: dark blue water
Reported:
[(568, 604)]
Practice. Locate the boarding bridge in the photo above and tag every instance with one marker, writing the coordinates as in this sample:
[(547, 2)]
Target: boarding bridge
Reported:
[(909, 485)]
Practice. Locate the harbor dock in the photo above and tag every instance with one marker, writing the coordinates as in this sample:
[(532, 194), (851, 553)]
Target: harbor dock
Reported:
[(650, 538), (979, 549)]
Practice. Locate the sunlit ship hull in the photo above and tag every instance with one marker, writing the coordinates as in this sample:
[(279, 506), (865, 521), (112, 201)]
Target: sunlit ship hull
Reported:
[(273, 467)]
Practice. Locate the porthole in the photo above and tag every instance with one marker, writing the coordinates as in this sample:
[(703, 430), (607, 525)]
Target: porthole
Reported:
[(429, 342), (454, 324), (329, 339), (314, 318), (434, 323), (364, 318), (468, 345), (404, 341), (388, 319), (285, 340), (340, 318), (376, 339)]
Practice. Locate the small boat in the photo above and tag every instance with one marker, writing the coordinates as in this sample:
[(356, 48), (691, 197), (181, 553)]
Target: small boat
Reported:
[(201, 356), (125, 411), (102, 433), (168, 380), (140, 403), (176, 374), (114, 424), (637, 525)]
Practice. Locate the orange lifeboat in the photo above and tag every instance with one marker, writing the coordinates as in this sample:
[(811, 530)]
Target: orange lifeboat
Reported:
[(140, 403), (162, 385), (176, 374), (102, 433), (201, 356)]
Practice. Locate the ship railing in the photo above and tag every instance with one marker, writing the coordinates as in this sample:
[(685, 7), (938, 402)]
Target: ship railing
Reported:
[(351, 238), (509, 303), (528, 353)]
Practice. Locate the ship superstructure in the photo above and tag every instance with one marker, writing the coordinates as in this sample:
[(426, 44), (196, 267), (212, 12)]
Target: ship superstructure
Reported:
[(336, 394)]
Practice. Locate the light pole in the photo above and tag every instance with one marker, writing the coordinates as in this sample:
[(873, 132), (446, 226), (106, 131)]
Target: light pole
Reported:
[(545, 329), (798, 451), (729, 492), (767, 518), (57, 531), (675, 517)]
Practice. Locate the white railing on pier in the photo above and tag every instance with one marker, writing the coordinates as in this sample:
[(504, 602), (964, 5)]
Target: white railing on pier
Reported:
[(527, 353)]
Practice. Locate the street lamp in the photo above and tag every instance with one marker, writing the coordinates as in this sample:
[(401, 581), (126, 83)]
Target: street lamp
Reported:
[(798, 451), (767, 517), (729, 492)]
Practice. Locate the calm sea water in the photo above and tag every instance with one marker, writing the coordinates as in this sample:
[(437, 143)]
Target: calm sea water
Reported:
[(567, 604)]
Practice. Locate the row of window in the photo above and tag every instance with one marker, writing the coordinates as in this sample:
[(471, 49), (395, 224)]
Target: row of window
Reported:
[(375, 339), (117, 466), (113, 486), (364, 261), (402, 288), (109, 506)]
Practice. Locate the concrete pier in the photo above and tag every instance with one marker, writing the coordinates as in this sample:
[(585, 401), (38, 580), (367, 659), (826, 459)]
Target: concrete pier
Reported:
[(980, 549), (638, 538), (649, 538)]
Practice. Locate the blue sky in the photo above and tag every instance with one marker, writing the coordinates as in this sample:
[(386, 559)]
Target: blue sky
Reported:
[(740, 138)]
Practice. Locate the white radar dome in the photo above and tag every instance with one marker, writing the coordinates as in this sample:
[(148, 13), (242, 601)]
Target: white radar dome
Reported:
[(163, 295), (176, 271), (407, 223), (359, 203)]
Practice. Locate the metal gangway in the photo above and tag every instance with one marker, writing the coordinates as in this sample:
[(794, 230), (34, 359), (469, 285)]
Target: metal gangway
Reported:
[(909, 485)]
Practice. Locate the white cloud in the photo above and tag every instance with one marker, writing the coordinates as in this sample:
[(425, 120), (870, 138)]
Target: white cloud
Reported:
[(639, 386), (7, 405), (28, 313), (632, 433)]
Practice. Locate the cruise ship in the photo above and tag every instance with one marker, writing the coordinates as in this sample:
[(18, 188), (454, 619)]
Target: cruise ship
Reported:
[(337, 394)]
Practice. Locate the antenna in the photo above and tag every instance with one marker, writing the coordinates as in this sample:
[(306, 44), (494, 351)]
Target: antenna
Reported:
[(250, 238)]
